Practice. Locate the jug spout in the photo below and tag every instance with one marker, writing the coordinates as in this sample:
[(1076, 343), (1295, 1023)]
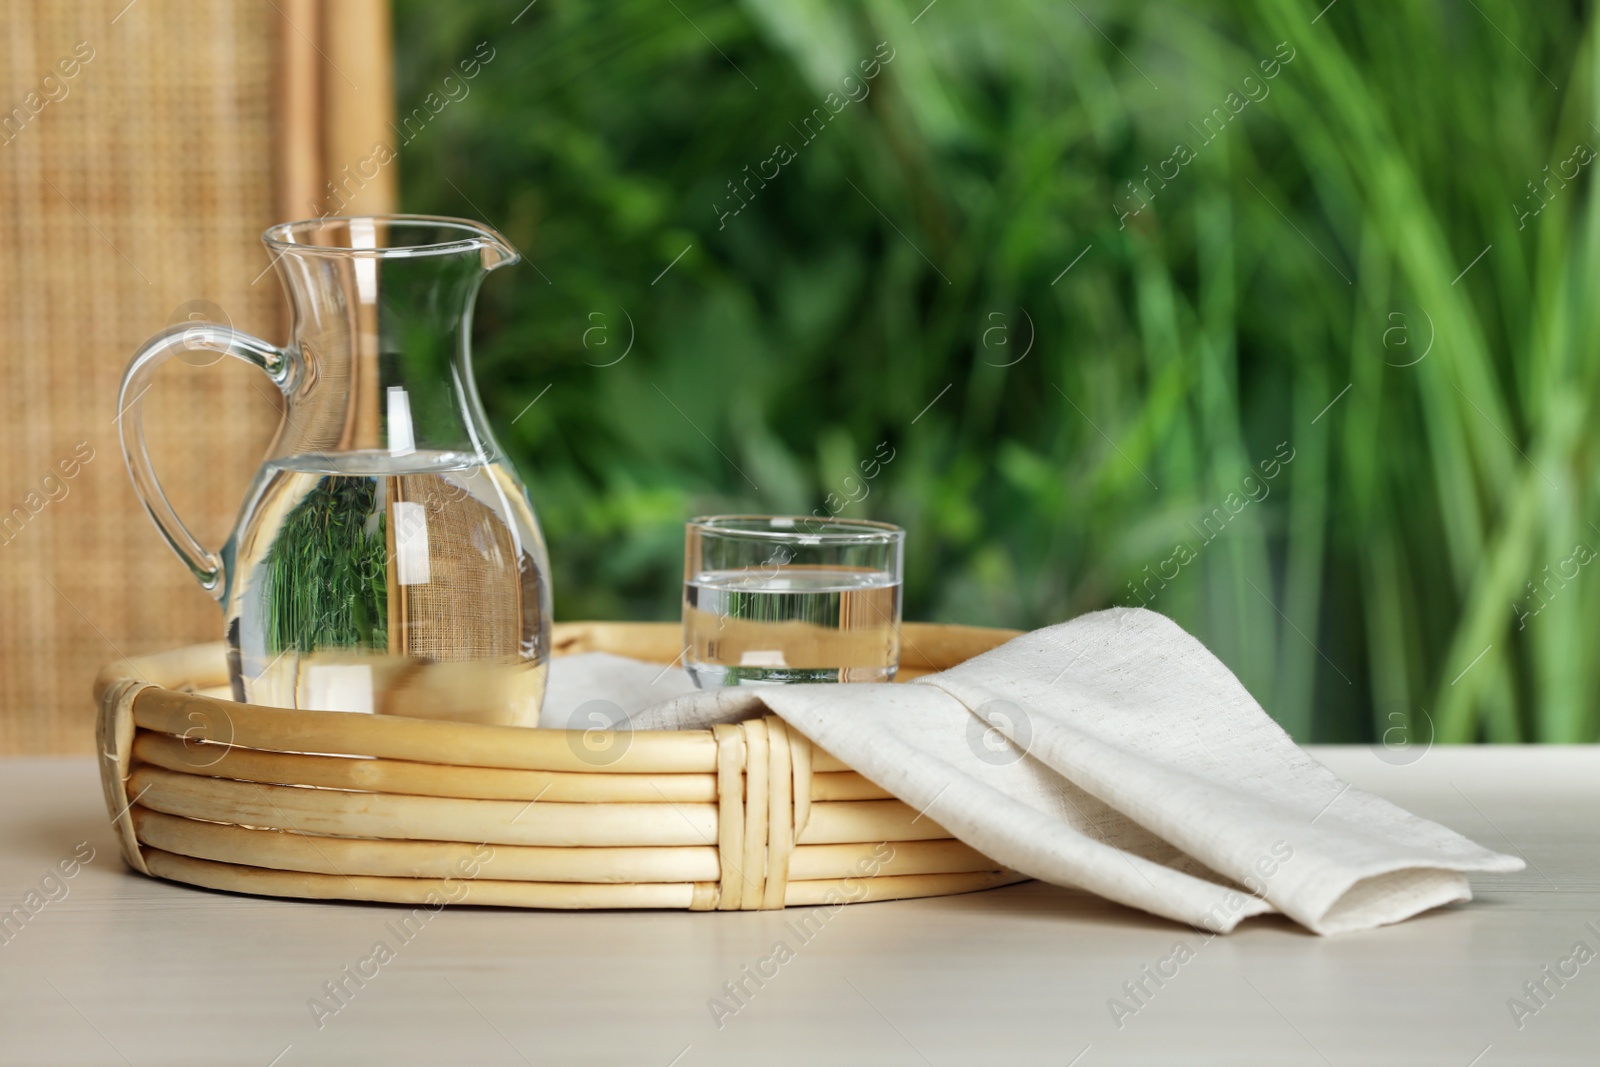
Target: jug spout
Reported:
[(497, 251), (392, 236)]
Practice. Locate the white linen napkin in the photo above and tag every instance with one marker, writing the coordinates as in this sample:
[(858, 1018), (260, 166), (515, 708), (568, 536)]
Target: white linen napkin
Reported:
[(598, 689), (1116, 754)]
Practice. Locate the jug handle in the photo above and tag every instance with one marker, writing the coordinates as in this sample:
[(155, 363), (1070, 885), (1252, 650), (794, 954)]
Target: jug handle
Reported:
[(279, 365)]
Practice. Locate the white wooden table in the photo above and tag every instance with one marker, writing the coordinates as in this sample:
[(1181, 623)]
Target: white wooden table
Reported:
[(123, 969)]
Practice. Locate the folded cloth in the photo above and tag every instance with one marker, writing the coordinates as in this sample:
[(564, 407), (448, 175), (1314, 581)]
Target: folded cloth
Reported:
[(1116, 754), (597, 690)]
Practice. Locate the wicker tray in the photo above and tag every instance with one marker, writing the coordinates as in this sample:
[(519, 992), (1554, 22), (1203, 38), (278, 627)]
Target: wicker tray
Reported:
[(267, 801)]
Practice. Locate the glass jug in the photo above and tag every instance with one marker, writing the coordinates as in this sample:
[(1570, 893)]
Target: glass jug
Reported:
[(386, 558)]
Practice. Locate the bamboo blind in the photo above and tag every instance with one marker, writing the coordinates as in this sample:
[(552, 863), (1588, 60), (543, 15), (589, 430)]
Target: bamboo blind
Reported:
[(132, 194)]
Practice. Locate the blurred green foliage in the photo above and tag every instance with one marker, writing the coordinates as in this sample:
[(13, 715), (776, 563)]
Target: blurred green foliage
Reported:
[(1347, 267)]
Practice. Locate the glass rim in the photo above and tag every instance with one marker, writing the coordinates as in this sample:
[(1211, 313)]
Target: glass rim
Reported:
[(283, 237), (767, 528)]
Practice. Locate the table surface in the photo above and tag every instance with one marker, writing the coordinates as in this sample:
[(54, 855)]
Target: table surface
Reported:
[(125, 969)]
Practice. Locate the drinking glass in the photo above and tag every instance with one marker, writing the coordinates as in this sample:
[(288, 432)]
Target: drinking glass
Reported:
[(773, 599)]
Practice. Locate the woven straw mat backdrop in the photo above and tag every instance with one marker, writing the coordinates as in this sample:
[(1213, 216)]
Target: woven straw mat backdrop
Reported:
[(130, 189)]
